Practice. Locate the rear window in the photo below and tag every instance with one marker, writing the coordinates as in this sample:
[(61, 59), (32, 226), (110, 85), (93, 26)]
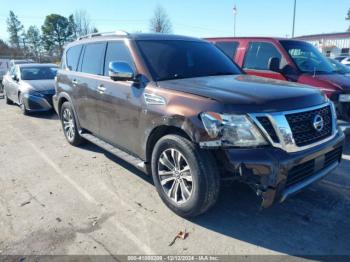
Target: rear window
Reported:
[(229, 48), (258, 55), (93, 58), (73, 55)]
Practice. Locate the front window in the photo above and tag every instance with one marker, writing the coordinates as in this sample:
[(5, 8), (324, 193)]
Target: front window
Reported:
[(307, 58), (38, 73), (176, 59)]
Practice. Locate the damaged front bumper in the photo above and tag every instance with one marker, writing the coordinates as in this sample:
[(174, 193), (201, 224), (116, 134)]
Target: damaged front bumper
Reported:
[(275, 174)]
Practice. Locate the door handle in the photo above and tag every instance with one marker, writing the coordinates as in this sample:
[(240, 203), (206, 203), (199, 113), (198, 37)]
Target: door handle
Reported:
[(101, 89), (75, 82)]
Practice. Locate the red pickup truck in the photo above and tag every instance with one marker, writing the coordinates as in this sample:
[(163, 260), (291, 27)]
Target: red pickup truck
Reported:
[(290, 60)]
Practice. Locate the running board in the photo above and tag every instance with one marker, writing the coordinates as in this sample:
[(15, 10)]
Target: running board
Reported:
[(135, 161)]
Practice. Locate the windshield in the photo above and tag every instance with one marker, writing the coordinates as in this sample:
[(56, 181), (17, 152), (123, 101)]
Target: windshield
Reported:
[(38, 73), (176, 59), (339, 67), (307, 58)]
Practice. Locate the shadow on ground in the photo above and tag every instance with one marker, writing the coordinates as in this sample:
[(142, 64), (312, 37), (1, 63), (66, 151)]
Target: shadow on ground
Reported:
[(314, 222)]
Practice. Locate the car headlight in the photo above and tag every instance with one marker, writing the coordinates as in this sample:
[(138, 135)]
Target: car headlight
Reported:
[(232, 130), (344, 98)]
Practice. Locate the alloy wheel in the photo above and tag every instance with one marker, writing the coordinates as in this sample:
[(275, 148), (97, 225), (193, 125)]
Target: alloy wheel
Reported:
[(175, 175), (68, 124)]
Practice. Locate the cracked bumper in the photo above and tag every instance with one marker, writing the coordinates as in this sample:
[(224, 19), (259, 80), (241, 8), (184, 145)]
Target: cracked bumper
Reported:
[(276, 174)]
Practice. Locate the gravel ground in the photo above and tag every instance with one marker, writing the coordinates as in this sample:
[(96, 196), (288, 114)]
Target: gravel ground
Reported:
[(58, 199)]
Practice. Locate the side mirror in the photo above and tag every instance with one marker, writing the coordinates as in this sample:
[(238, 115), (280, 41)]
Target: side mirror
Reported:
[(274, 64), (14, 77), (120, 71)]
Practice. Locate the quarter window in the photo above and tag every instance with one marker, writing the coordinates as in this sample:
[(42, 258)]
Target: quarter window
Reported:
[(258, 55), (73, 54), (93, 58), (117, 51), (229, 48)]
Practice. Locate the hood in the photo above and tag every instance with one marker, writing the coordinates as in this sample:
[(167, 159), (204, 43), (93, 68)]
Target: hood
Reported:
[(249, 93), (340, 81), (47, 85)]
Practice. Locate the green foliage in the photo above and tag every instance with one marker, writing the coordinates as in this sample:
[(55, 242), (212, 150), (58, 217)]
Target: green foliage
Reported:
[(34, 42), (56, 31), (14, 28)]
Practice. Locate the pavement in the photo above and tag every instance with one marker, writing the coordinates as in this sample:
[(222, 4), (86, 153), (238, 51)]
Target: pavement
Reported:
[(58, 199)]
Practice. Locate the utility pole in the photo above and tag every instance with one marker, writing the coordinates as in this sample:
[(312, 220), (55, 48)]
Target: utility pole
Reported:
[(234, 21), (295, 4)]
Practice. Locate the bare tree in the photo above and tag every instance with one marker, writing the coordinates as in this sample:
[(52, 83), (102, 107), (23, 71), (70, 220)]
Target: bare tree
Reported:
[(82, 23), (160, 22)]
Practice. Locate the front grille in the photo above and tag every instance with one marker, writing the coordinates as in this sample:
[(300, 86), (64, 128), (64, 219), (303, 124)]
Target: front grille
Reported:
[(302, 127), (266, 123), (307, 169)]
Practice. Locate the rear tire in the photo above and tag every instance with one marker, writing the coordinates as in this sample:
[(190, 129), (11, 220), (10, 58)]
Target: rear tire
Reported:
[(69, 125), (191, 192)]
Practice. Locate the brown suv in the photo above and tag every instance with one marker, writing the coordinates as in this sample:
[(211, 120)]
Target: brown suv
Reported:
[(180, 109)]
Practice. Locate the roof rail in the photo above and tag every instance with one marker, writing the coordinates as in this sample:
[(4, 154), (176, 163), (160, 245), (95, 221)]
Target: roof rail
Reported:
[(114, 33)]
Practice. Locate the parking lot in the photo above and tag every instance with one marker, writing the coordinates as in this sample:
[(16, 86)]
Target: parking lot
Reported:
[(58, 199)]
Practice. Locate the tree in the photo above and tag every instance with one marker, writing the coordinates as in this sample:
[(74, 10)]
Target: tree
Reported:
[(348, 18), (34, 42), (81, 23), (56, 32), (15, 28), (160, 22)]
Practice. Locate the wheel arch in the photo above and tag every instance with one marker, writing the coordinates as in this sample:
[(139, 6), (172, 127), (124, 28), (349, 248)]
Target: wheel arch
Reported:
[(160, 131)]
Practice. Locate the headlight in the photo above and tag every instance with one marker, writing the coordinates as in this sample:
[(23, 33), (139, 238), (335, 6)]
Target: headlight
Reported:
[(344, 98), (232, 130)]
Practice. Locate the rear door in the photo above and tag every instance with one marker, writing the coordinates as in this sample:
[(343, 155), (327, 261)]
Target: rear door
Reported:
[(86, 84), (257, 57)]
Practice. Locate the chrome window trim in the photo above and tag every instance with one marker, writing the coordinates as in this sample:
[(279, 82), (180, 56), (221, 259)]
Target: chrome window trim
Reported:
[(284, 132)]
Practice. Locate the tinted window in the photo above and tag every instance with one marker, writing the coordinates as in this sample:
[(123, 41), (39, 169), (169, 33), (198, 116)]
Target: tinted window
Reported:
[(259, 54), (307, 58), (38, 73), (229, 48), (93, 58), (171, 59), (72, 55), (117, 51)]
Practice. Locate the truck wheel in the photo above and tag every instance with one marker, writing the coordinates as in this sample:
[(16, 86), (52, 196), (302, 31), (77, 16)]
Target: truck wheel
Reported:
[(186, 177), (69, 126)]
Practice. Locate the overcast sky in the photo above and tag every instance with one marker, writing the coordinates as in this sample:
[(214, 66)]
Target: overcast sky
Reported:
[(201, 18)]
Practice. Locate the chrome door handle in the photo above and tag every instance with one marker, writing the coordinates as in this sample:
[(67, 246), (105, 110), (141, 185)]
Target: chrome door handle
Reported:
[(101, 89)]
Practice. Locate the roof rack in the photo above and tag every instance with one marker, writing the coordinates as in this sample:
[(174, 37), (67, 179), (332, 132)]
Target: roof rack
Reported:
[(114, 33)]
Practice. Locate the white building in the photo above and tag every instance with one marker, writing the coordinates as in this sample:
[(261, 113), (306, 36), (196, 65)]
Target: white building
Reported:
[(330, 44)]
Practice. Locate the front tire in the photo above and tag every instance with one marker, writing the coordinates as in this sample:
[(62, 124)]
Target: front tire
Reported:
[(22, 105), (186, 177), (69, 125)]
